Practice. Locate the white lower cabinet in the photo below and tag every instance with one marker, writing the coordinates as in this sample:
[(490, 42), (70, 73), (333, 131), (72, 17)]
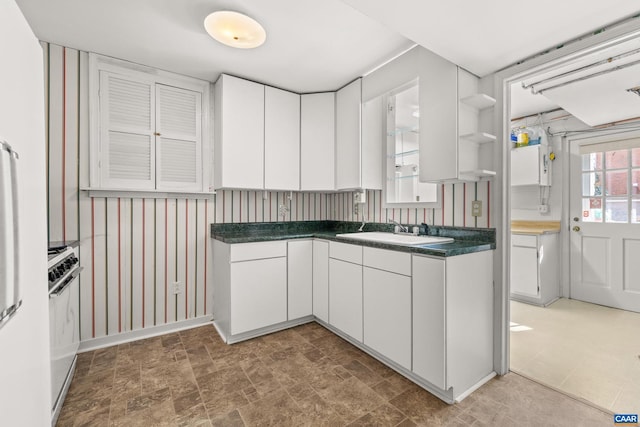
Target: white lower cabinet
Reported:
[(258, 294), (321, 280), (387, 314), (345, 297), (534, 268), (300, 278), (453, 320)]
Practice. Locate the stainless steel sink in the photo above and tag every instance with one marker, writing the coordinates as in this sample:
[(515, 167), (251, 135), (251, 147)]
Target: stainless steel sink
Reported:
[(395, 239)]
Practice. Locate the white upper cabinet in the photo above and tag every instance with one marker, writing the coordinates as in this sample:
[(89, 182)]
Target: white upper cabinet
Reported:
[(348, 118), (148, 129), (453, 147), (317, 142), (239, 133), (281, 140)]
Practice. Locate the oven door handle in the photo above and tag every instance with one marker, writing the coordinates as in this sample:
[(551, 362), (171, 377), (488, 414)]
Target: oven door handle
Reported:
[(66, 282)]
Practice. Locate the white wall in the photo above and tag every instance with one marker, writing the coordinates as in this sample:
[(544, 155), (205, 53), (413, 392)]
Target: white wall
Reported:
[(24, 340)]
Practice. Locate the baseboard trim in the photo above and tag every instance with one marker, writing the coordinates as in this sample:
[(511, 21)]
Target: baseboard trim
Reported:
[(125, 337), (474, 387), (232, 339)]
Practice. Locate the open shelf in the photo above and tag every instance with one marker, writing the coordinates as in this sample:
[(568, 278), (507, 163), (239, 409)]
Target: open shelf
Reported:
[(478, 137), (479, 173), (479, 101)]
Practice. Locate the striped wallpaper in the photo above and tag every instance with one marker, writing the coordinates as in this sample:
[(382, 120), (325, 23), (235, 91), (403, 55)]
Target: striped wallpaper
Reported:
[(133, 250)]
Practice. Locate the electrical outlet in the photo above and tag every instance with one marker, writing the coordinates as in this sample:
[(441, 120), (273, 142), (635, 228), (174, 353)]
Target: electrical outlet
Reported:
[(283, 210), (360, 197), (543, 209), (476, 208), (177, 288)]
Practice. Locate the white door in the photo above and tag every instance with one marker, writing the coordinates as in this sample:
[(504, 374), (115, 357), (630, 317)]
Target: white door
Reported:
[(605, 221)]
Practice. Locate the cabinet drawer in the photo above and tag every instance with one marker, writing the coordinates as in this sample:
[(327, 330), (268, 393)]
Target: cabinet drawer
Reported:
[(259, 250), (393, 261), (525, 240), (345, 252)]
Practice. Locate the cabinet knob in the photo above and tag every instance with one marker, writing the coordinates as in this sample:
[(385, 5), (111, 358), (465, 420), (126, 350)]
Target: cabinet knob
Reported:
[(576, 228), (156, 133)]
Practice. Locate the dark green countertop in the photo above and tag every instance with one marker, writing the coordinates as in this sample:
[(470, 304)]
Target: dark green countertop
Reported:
[(466, 240)]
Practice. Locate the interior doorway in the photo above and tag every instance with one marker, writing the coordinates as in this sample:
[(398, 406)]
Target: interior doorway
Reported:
[(579, 342)]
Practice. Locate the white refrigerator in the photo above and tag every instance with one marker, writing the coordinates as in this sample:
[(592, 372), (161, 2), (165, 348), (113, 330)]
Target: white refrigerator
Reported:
[(9, 281)]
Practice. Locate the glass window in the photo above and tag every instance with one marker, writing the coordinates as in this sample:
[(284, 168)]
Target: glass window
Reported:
[(635, 157), (592, 162), (617, 210), (611, 186), (592, 184), (617, 159), (635, 211), (592, 209), (617, 183)]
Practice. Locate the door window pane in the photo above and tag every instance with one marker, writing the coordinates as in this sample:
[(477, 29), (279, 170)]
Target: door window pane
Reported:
[(635, 211), (592, 184), (635, 181), (617, 183), (617, 159), (635, 157), (592, 161), (592, 209), (617, 210)]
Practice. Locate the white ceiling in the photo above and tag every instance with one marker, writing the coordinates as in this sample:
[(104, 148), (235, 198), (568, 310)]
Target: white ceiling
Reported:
[(486, 36), (311, 45)]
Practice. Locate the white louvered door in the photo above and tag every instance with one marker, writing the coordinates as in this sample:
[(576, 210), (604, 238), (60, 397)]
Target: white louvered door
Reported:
[(179, 138), (127, 124)]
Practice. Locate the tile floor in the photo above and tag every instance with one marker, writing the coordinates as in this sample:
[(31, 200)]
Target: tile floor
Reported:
[(304, 376), (587, 350)]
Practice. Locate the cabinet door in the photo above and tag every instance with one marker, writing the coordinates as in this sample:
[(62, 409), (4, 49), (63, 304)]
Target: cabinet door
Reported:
[(387, 314), (525, 166), (429, 320), (258, 294), (239, 142), (345, 297), (321, 280), (348, 111), (281, 140), (524, 270), (317, 142), (300, 278), (179, 143), (438, 137), (128, 155), (373, 140)]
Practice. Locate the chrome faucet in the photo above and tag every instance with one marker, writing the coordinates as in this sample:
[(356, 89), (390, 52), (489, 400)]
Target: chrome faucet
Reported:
[(402, 227)]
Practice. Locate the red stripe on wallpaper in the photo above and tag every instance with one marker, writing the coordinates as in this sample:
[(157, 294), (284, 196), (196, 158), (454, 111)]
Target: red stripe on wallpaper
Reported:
[(240, 209), (166, 256), (224, 202), (464, 204), (144, 238), (186, 257), (206, 237), (488, 204), (64, 142), (443, 203), (93, 270), (119, 273)]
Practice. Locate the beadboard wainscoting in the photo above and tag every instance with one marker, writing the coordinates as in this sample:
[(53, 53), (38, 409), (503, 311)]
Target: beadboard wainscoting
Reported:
[(133, 250)]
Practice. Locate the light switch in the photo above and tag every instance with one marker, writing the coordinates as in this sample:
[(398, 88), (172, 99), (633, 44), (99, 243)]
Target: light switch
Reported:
[(476, 208)]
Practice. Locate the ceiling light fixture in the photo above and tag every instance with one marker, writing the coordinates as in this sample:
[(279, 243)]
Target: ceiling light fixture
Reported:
[(235, 29)]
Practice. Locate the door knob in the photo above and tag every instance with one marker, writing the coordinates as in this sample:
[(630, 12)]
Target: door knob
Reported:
[(576, 228)]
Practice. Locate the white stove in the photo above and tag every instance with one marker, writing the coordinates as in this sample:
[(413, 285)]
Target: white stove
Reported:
[(64, 318)]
